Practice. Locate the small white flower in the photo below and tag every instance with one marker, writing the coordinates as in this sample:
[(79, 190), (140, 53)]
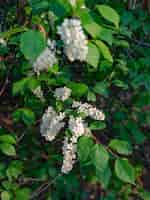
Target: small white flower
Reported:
[(89, 110), (75, 41), (3, 42), (45, 60), (51, 44), (96, 114), (51, 124), (39, 93), (62, 93), (76, 126), (73, 2), (69, 153)]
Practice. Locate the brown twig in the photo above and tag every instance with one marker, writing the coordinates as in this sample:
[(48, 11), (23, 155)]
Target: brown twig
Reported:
[(4, 86), (43, 187)]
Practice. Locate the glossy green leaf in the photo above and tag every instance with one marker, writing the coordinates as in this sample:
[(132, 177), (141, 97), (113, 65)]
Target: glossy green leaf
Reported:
[(125, 171), (5, 195), (100, 157), (78, 89), (23, 194), (122, 147), (60, 7), (101, 88), (85, 145), (32, 43), (21, 86), (14, 169), (93, 57), (104, 177), (7, 139), (109, 14), (24, 114), (93, 29), (8, 149), (97, 125), (104, 50)]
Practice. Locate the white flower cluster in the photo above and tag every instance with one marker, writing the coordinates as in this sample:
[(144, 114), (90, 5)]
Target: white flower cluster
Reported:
[(39, 93), (3, 42), (52, 123), (45, 60), (62, 93), (69, 153), (74, 39), (89, 110), (73, 2), (78, 128)]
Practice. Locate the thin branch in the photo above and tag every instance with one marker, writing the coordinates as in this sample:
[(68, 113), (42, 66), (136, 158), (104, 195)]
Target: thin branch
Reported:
[(4, 87), (43, 187), (140, 43)]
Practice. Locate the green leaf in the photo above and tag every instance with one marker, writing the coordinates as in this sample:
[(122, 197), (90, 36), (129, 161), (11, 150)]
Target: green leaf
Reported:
[(136, 133), (86, 16), (7, 139), (104, 50), (104, 177), (23, 194), (5, 195), (8, 149), (91, 96), (38, 5), (78, 89), (109, 14), (2, 170), (12, 32), (100, 157), (84, 148), (122, 147), (101, 88), (24, 114), (93, 55), (125, 171), (106, 35), (32, 43), (97, 125), (120, 84), (15, 169), (93, 29), (21, 86), (60, 7)]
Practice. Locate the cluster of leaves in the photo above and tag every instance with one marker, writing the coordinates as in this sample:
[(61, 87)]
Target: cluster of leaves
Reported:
[(115, 78)]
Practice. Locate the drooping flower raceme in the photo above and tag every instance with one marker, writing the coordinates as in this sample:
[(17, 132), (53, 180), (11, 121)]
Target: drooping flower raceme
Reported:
[(62, 93), (78, 128), (75, 41), (89, 110), (69, 153), (45, 60), (52, 123)]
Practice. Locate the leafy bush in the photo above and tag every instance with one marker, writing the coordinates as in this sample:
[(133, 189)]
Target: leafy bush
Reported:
[(75, 96)]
